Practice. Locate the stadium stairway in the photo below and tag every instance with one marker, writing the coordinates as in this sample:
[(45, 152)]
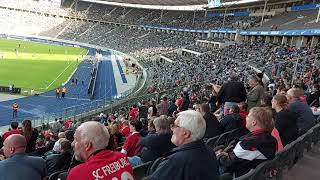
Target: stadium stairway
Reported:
[(105, 83), (306, 168), (76, 101)]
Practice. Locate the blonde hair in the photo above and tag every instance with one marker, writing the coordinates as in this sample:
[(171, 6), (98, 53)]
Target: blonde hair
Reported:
[(263, 116)]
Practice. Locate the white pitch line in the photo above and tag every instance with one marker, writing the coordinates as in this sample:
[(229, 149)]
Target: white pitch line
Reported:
[(59, 75)]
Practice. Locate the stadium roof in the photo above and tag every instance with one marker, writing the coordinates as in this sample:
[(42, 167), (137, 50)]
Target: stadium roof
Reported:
[(186, 5), (161, 2)]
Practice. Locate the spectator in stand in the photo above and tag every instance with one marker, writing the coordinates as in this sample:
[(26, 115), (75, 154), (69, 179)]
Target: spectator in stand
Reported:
[(143, 110), (259, 79), (266, 100), (90, 142), (14, 130), (243, 112), (192, 159), (179, 101), (213, 100), (131, 146), (255, 147), (133, 113), (172, 108), (255, 94), (152, 111), (68, 123), (154, 145), (69, 135), (151, 127), (213, 127), (229, 97), (61, 159), (314, 96), (114, 130), (285, 120), (31, 135), (144, 130), (232, 120), (56, 147), (185, 102), (163, 106), (125, 129), (305, 119), (17, 164), (56, 125)]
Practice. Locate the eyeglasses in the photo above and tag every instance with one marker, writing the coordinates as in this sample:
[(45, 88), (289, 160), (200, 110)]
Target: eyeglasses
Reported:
[(172, 126)]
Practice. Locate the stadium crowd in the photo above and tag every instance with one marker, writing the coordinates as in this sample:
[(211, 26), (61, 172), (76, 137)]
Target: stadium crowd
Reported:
[(268, 116), (199, 97)]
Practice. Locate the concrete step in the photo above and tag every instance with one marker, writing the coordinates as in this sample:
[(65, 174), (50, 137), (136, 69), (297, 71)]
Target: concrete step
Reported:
[(307, 167)]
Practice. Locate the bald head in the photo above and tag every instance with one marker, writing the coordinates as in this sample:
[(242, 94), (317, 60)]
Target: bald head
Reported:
[(14, 144), (96, 133), (16, 140), (90, 137)]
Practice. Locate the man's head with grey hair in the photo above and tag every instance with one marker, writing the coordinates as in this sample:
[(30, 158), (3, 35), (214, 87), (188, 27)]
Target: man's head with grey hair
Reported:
[(293, 93), (162, 124), (89, 137), (188, 127)]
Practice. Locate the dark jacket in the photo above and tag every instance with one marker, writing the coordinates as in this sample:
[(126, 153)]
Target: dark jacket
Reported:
[(193, 161), (143, 112), (58, 162), (213, 127), (250, 151), (31, 140), (232, 91), (185, 103), (172, 108), (313, 96), (305, 116), (231, 122), (21, 166), (155, 145), (286, 124)]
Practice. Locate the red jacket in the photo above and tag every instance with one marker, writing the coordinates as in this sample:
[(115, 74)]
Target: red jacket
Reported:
[(14, 131), (68, 123), (133, 114), (131, 144), (243, 116), (105, 165), (125, 131)]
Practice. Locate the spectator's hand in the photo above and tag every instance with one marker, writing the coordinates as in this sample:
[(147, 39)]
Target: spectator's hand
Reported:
[(2, 157)]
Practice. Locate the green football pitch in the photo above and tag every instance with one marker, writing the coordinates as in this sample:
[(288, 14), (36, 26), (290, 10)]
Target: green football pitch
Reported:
[(38, 66)]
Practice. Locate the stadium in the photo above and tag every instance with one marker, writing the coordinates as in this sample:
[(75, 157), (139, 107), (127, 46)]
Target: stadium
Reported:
[(159, 89)]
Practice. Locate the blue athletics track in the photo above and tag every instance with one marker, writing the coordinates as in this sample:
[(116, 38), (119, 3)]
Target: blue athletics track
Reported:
[(76, 100)]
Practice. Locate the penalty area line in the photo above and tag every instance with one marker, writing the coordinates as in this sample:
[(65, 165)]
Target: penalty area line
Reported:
[(59, 75)]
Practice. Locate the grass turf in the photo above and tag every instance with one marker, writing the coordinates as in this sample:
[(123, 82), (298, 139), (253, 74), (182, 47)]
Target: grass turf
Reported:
[(38, 66)]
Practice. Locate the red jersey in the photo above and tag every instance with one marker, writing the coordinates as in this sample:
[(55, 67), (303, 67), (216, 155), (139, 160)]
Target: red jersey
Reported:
[(14, 131), (133, 113), (68, 123), (180, 101), (125, 131), (105, 165), (131, 144)]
